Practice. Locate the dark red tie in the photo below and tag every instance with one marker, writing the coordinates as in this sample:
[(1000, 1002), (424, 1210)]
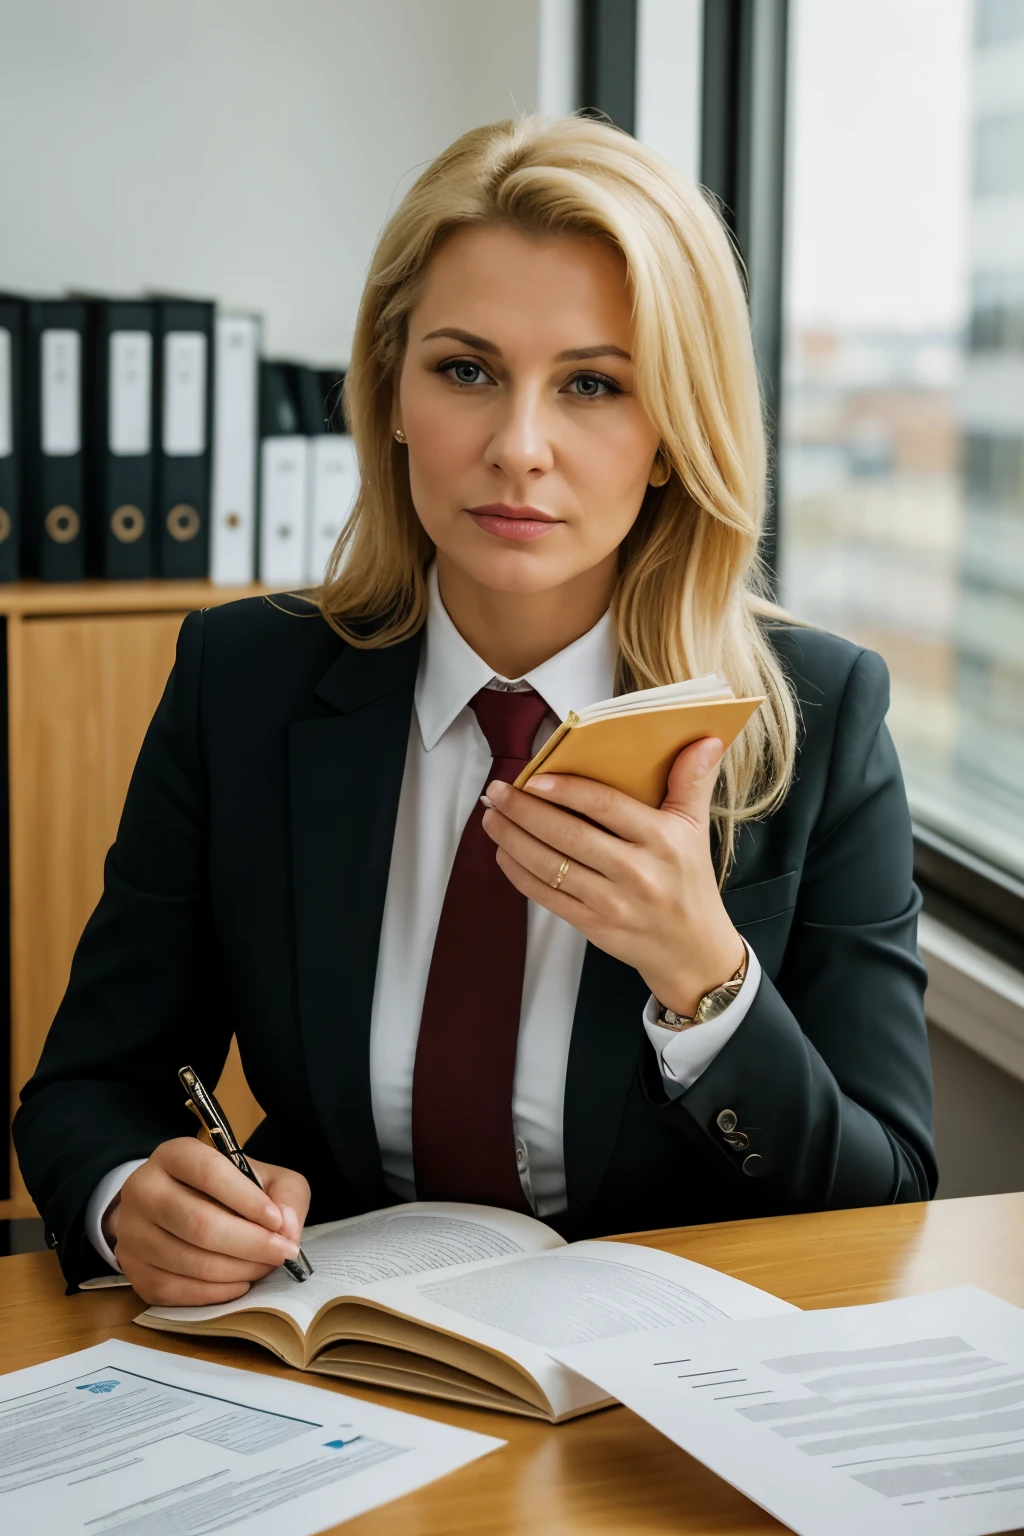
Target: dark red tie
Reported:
[(462, 1136)]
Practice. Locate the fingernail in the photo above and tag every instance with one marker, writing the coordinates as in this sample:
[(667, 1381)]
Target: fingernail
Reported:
[(288, 1250), (272, 1216), (713, 750), (290, 1222), (497, 790), (487, 802), (543, 782)]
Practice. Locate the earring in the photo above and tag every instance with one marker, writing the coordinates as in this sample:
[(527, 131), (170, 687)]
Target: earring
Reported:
[(399, 436), (661, 469)]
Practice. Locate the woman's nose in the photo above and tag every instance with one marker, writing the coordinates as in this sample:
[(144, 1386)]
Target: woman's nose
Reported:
[(522, 441)]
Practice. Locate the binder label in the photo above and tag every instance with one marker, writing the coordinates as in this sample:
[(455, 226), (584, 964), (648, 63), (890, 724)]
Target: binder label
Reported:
[(131, 375), (62, 393), (6, 396), (184, 423)]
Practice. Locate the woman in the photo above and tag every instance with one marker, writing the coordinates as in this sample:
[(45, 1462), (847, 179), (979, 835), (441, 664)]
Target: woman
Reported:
[(555, 404)]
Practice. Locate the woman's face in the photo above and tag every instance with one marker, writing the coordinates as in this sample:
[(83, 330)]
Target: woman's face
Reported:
[(529, 453)]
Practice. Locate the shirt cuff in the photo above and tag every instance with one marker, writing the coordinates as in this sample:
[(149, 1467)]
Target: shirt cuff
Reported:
[(684, 1055), (100, 1201)]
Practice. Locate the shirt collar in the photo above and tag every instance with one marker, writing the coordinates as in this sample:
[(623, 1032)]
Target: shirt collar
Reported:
[(451, 673)]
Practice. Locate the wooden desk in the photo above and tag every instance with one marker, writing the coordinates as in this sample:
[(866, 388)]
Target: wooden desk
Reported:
[(608, 1472)]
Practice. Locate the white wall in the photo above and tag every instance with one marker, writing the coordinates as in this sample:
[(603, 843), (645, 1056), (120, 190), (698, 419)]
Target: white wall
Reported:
[(248, 150)]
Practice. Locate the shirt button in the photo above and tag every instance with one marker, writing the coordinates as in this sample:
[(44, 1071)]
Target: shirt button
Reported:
[(727, 1121), (753, 1165)]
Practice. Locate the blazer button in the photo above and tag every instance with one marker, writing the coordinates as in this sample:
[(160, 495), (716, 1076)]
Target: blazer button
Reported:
[(739, 1141), (753, 1165), (727, 1121)]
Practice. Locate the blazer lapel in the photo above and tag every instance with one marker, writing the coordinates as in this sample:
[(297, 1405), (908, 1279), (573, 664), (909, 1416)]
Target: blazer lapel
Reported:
[(607, 1038), (345, 776)]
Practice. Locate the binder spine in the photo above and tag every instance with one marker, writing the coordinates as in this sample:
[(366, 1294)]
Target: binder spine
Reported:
[(284, 476), (54, 529), (119, 542), (334, 482), (183, 406), (284, 481), (235, 450), (333, 468), (11, 450)]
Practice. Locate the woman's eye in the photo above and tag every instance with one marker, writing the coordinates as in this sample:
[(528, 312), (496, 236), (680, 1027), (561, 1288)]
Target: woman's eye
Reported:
[(592, 386), (462, 371), (467, 374)]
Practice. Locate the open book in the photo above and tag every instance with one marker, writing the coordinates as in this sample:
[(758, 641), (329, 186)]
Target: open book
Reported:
[(464, 1302), (631, 742)]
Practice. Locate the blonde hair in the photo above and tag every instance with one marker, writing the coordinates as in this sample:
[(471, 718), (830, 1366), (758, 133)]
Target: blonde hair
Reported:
[(689, 592)]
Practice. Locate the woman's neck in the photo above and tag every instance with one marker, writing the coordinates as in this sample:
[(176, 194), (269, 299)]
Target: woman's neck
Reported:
[(517, 631)]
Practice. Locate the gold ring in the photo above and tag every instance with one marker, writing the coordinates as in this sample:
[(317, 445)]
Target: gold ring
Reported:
[(563, 870)]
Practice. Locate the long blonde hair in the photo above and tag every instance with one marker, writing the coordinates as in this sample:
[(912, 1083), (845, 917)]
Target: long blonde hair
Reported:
[(689, 591)]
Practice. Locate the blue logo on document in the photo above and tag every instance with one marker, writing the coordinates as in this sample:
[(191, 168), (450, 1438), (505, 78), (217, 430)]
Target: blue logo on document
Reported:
[(337, 1445), (99, 1386)]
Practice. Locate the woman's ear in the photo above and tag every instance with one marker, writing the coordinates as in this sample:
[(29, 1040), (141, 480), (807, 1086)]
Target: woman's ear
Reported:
[(661, 469)]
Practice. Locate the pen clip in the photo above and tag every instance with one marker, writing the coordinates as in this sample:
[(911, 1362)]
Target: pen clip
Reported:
[(204, 1135), (211, 1116)]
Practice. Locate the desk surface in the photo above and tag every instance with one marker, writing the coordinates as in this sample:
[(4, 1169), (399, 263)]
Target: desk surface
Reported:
[(608, 1472)]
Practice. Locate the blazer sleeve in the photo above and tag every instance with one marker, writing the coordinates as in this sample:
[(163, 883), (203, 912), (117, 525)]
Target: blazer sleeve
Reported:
[(828, 1077), (144, 995)]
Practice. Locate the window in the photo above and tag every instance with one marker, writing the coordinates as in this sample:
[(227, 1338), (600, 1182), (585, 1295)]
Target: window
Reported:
[(901, 423)]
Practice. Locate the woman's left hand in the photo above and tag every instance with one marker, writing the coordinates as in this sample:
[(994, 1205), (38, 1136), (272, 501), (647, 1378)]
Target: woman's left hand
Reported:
[(641, 884)]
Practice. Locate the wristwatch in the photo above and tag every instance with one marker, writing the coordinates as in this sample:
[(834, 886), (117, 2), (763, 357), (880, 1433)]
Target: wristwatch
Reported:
[(711, 1004)]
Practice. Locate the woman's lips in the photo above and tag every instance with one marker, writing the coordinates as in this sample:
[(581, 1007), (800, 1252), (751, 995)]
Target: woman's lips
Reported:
[(521, 528)]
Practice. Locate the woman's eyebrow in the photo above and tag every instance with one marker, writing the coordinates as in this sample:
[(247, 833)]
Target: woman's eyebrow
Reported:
[(573, 354)]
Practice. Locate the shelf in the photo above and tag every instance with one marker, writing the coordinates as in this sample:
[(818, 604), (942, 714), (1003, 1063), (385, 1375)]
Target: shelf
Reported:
[(41, 598)]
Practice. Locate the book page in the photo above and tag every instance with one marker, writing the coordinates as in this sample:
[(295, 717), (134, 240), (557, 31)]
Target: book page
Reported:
[(350, 1257), (900, 1418), (524, 1307), (713, 686)]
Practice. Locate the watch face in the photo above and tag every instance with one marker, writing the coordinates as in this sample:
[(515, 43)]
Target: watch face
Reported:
[(707, 1008), (716, 1002)]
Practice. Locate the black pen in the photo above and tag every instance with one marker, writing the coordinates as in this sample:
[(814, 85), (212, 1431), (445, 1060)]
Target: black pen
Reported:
[(215, 1123)]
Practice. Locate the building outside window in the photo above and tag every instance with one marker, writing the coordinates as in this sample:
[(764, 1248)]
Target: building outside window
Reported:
[(901, 450)]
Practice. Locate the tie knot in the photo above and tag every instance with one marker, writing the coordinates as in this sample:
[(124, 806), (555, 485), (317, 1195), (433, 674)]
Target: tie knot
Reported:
[(509, 721)]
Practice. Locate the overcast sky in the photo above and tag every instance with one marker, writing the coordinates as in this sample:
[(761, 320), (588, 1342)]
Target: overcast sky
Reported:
[(878, 140)]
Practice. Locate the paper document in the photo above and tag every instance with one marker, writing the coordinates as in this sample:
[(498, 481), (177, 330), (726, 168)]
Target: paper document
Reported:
[(123, 1441), (902, 1417)]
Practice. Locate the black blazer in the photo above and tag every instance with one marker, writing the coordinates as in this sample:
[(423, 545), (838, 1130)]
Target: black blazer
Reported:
[(245, 891)]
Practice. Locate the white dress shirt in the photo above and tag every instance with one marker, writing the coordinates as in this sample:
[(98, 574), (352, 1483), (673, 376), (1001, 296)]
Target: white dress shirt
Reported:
[(446, 768)]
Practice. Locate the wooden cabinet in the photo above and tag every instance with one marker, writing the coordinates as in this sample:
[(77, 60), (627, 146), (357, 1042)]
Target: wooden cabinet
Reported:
[(86, 665)]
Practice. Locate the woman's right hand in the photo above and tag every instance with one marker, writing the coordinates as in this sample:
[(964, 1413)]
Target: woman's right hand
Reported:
[(190, 1230)]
